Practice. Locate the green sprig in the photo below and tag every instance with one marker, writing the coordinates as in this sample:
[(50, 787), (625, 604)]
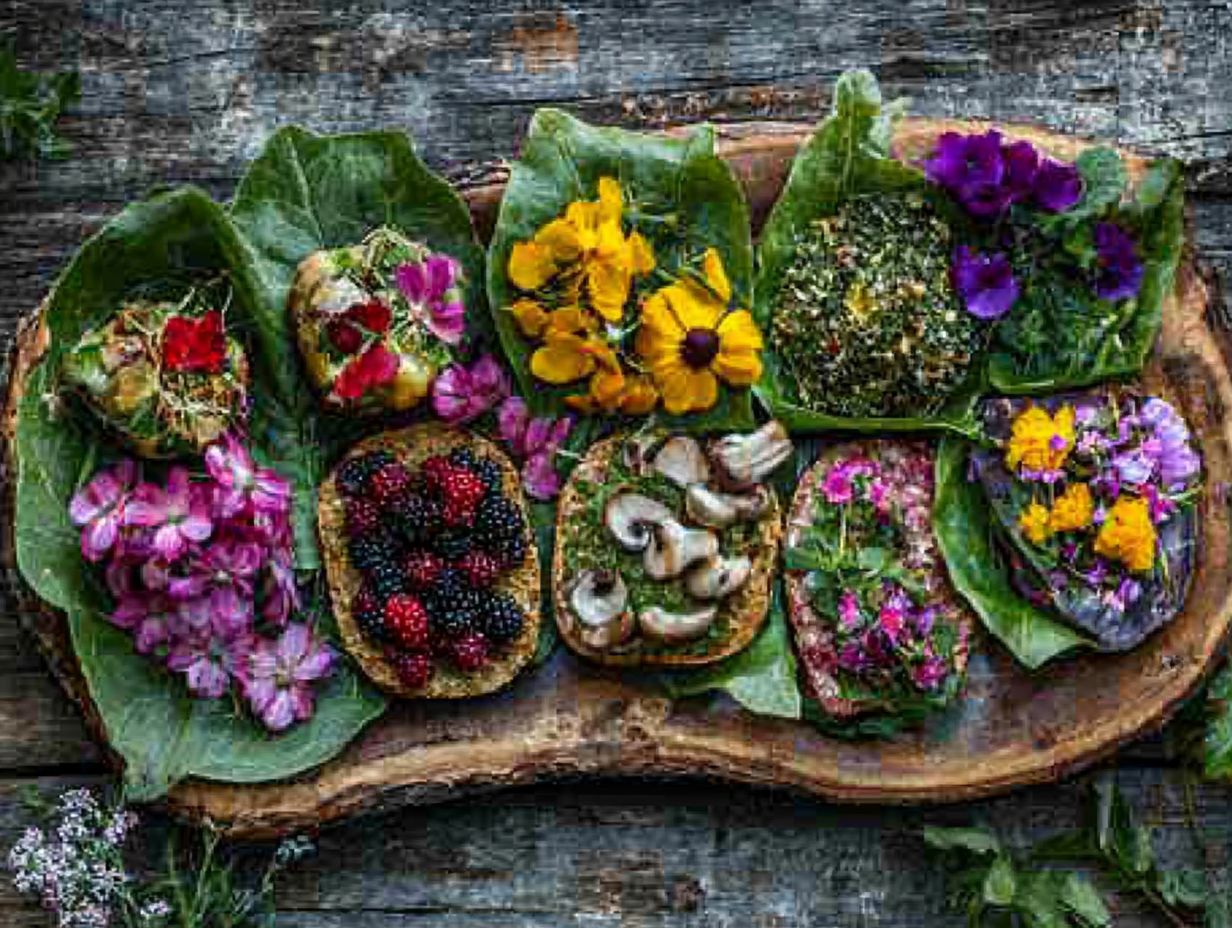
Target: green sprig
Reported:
[(30, 105)]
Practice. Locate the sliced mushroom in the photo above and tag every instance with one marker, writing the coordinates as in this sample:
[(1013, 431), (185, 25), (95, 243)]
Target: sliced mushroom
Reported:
[(630, 517), (636, 451), (718, 577), (682, 461), (741, 461), (674, 627), (719, 510), (673, 548), (600, 600)]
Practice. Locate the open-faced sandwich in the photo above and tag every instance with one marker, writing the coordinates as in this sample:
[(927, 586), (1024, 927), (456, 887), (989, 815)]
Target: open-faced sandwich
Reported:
[(1093, 501), (666, 547), (432, 567), (376, 321), (877, 626), (165, 376)]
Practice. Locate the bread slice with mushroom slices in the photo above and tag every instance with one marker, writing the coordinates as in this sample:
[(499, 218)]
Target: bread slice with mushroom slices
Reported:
[(412, 446), (740, 615)]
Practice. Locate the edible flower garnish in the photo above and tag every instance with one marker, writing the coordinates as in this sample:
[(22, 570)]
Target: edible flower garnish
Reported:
[(1040, 443), (431, 290), (197, 345), (1128, 534), (1119, 267), (535, 442), (1072, 510), (1035, 523), (985, 282), (462, 394)]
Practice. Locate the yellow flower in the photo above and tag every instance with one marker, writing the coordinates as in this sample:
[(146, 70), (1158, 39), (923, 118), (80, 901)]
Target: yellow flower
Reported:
[(589, 236), (1128, 535), (1072, 510), (1034, 523), (530, 316), (611, 391), (1040, 442), (572, 348), (690, 340)]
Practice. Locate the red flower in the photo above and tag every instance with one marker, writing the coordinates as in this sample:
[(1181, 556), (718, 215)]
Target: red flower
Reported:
[(376, 366), (344, 336), (197, 345), (373, 315)]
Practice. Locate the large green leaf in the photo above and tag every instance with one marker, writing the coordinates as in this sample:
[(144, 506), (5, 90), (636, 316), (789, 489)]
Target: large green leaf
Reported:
[(965, 536), (848, 156), (1217, 756), (690, 193), (165, 241)]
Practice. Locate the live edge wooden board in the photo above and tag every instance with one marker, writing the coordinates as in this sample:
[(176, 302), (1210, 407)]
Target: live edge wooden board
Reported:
[(567, 718)]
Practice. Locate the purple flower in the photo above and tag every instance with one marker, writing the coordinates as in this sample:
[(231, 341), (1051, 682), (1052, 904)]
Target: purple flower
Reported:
[(1134, 466), (849, 611), (1021, 162), (431, 288), (1124, 596), (535, 442), (971, 167), (893, 615), (1178, 462), (280, 591), (931, 673), (148, 617), (241, 482), (923, 620), (851, 657), (1057, 186), (461, 394), (277, 676), (1120, 269), (98, 508), (179, 515), (985, 282), (1097, 574), (207, 662)]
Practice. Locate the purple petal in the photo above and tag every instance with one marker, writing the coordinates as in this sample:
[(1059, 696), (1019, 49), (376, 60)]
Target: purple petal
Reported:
[(197, 526), (540, 477), (279, 712), (1021, 166), (293, 643), (451, 393), (447, 322), (97, 539), (145, 512), (536, 437), (1057, 187), (206, 678), (560, 431), (168, 542), (511, 420), (412, 282), (442, 271)]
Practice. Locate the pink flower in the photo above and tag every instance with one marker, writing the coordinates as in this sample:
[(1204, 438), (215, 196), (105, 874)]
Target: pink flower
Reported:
[(179, 515), (536, 442), (849, 610), (277, 676), (461, 395), (836, 487), (280, 591), (431, 289), (207, 662), (241, 482), (98, 508), (893, 614), (931, 673), (149, 618)]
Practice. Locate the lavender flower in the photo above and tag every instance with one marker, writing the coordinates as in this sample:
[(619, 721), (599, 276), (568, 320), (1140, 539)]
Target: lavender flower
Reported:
[(985, 283), (98, 508), (179, 515), (1120, 268), (432, 290), (208, 661), (241, 483), (536, 442), (278, 676), (461, 394), (1177, 460)]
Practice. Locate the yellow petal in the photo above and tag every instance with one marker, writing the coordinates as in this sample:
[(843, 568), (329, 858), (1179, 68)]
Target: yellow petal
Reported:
[(572, 319), (609, 288), (641, 256), (738, 331), (740, 368), (530, 265), (716, 277), (640, 397), (560, 237), (693, 307), (606, 386), (561, 360), (584, 217), (685, 390), (611, 201), (530, 317)]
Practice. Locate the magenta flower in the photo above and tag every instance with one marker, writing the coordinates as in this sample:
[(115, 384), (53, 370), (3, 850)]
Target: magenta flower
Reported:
[(535, 442), (179, 515), (279, 591), (892, 617), (837, 486), (461, 394), (149, 618), (432, 289), (241, 482), (985, 283), (98, 509), (1057, 186), (207, 662), (849, 610), (971, 167), (1120, 268), (931, 673), (277, 676)]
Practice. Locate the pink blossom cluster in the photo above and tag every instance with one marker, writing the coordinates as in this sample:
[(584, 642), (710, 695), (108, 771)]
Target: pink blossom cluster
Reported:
[(202, 573)]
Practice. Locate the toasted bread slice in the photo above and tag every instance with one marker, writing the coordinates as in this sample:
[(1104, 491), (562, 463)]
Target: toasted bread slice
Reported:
[(743, 613), (412, 446), (812, 633)]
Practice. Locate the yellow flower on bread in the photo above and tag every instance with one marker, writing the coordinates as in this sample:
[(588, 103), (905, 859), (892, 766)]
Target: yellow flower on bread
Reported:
[(1073, 509), (1040, 442), (1034, 523), (1128, 535), (690, 338)]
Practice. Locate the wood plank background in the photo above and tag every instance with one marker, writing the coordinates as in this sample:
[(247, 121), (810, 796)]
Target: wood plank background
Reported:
[(187, 91)]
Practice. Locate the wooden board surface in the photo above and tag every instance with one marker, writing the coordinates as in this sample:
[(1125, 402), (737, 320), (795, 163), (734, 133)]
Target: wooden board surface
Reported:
[(569, 718)]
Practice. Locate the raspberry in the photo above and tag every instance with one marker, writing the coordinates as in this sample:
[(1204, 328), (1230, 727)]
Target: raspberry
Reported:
[(460, 492), (362, 517), (352, 479), (470, 652), (480, 568), (389, 483), (503, 618), (414, 670), (422, 569), (407, 620), (435, 469)]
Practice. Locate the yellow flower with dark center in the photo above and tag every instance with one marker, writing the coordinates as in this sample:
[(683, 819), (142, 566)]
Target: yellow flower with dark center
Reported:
[(1034, 523), (1128, 535), (589, 246), (690, 340), (1040, 442), (1073, 509)]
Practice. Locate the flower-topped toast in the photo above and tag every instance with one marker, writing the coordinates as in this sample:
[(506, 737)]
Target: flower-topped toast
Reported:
[(666, 547), (877, 626), (1093, 498), (165, 376), (377, 321)]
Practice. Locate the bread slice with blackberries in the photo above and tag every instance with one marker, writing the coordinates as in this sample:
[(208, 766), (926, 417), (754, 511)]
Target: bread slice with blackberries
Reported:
[(431, 562)]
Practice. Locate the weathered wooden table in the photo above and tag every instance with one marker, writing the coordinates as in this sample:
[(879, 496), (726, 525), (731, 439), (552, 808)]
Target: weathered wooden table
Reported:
[(188, 90)]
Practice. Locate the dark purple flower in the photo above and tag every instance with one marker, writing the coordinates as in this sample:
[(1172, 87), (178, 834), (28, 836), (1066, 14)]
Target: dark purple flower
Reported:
[(1120, 269), (461, 394), (1057, 186), (851, 657), (278, 676), (931, 673), (1021, 167), (966, 162), (985, 283)]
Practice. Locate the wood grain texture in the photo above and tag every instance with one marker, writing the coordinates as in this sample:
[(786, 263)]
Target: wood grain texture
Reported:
[(1013, 727)]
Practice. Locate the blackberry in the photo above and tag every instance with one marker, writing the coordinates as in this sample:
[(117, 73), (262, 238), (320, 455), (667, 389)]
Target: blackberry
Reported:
[(452, 544), (362, 516), (470, 652), (453, 606), (480, 568), (369, 551), (512, 551), (422, 569), (498, 521), (387, 579), (414, 670), (503, 619), (463, 457), (352, 478), (369, 615), (490, 473), (414, 518)]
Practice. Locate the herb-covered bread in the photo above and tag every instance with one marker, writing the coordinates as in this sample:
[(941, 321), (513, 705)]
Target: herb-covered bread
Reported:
[(877, 626), (431, 562), (376, 321), (666, 547), (162, 375)]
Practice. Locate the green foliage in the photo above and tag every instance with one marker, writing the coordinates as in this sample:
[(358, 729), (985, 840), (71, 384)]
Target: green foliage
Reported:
[(998, 886), (1217, 746), (683, 198), (30, 104), (977, 569), (169, 239)]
